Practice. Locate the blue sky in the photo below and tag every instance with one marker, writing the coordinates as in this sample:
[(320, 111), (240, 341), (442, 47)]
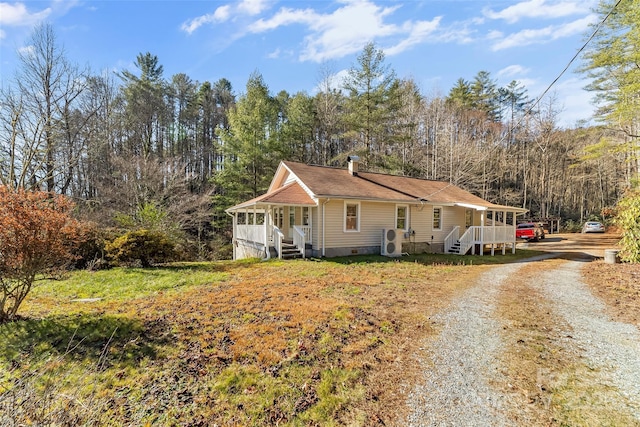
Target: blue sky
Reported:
[(435, 42)]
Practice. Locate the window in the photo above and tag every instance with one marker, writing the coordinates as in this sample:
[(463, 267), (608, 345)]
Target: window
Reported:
[(278, 214), (468, 218), (352, 216), (305, 216), (437, 218), (292, 216), (402, 216)]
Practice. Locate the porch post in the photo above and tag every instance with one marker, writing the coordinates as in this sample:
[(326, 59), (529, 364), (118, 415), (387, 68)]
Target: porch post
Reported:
[(482, 233), (267, 219), (493, 226), (504, 231), (235, 235)]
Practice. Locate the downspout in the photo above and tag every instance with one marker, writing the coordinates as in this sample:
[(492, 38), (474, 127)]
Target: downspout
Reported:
[(267, 217), (233, 240), (323, 225)]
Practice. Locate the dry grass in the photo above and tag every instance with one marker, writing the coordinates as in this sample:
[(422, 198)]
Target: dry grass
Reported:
[(533, 356), (619, 286), (549, 381), (277, 343)]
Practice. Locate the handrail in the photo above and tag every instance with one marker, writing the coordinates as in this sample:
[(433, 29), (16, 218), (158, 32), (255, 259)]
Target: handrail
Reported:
[(451, 238), (467, 240), (306, 230), (278, 236), (299, 239)]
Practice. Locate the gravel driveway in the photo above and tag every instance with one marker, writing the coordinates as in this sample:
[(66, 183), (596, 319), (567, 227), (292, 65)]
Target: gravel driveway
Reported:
[(463, 382)]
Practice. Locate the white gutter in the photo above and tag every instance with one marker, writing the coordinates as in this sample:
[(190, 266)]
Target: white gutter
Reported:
[(323, 225), (233, 233)]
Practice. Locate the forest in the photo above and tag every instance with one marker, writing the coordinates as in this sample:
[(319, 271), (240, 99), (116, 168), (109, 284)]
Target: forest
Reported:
[(138, 149)]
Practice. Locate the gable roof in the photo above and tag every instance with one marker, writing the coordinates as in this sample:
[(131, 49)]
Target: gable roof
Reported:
[(325, 181), (290, 194), (298, 184)]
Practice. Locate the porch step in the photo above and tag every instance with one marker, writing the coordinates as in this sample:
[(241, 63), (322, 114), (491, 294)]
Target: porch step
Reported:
[(456, 249), (290, 251)]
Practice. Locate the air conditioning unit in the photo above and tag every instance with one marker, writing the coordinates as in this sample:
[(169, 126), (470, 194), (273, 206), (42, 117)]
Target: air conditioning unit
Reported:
[(391, 242)]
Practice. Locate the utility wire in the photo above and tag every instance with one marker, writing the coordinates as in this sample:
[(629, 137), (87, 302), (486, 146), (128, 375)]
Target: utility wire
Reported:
[(569, 64)]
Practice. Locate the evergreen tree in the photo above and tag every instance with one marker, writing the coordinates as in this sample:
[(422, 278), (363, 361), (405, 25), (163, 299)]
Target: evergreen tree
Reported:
[(369, 87), (251, 146), (145, 106), (460, 95)]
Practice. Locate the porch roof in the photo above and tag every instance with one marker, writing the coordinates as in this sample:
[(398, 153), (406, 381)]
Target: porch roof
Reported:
[(291, 194)]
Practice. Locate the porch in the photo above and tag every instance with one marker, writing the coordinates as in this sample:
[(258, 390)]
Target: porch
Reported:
[(497, 229), (475, 238), (272, 231)]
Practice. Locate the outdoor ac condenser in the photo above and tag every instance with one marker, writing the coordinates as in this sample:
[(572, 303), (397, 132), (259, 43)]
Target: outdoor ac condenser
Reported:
[(391, 242)]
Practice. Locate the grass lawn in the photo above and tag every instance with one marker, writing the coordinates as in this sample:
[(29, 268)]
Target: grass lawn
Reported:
[(306, 342)]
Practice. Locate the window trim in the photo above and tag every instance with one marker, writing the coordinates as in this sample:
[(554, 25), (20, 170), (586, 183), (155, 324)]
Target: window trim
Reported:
[(358, 214), (433, 218), (406, 217)]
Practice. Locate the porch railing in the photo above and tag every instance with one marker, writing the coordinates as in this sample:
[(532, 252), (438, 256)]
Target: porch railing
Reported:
[(306, 230), (251, 233), (278, 237), (451, 239), (479, 235), (300, 239)]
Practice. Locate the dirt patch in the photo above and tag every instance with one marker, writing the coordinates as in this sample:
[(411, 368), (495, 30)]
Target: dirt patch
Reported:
[(533, 354), (618, 285), (589, 245)]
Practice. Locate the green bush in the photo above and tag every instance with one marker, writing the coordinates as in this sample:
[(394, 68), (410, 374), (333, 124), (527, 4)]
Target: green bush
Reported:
[(143, 246), (571, 226), (628, 219)]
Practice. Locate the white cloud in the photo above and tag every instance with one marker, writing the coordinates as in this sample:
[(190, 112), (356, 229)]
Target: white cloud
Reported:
[(225, 13), (252, 7), (538, 9), (26, 51), (576, 103), (543, 35), (513, 70), (274, 55), (335, 81), (419, 32), (17, 15), (345, 30), (221, 14)]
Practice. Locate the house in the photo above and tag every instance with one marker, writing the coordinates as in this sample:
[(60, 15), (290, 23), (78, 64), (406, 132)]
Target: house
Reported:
[(326, 212)]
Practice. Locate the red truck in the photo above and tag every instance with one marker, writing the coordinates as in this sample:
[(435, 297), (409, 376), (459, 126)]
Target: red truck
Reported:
[(529, 231)]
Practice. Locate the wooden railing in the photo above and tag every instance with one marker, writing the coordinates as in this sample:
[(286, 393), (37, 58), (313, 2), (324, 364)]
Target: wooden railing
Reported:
[(251, 233), (300, 239), (480, 235), (451, 239), (470, 237), (278, 237), (306, 230)]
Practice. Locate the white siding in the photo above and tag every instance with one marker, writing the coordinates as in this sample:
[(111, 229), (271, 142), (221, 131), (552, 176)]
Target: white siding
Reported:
[(373, 218)]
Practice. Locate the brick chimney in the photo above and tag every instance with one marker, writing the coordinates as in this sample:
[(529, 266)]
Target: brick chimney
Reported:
[(353, 164)]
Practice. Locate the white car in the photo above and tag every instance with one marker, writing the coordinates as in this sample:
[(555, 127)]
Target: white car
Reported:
[(593, 227)]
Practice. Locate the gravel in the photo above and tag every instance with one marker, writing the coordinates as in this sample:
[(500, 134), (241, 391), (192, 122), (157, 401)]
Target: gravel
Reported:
[(611, 349), (461, 362), (456, 390)]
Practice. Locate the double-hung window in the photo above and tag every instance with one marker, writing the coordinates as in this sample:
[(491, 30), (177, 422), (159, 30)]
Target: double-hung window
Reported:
[(437, 218), (402, 217), (351, 216)]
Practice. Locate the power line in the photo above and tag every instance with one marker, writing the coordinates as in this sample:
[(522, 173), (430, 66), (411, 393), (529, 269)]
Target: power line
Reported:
[(600, 24)]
